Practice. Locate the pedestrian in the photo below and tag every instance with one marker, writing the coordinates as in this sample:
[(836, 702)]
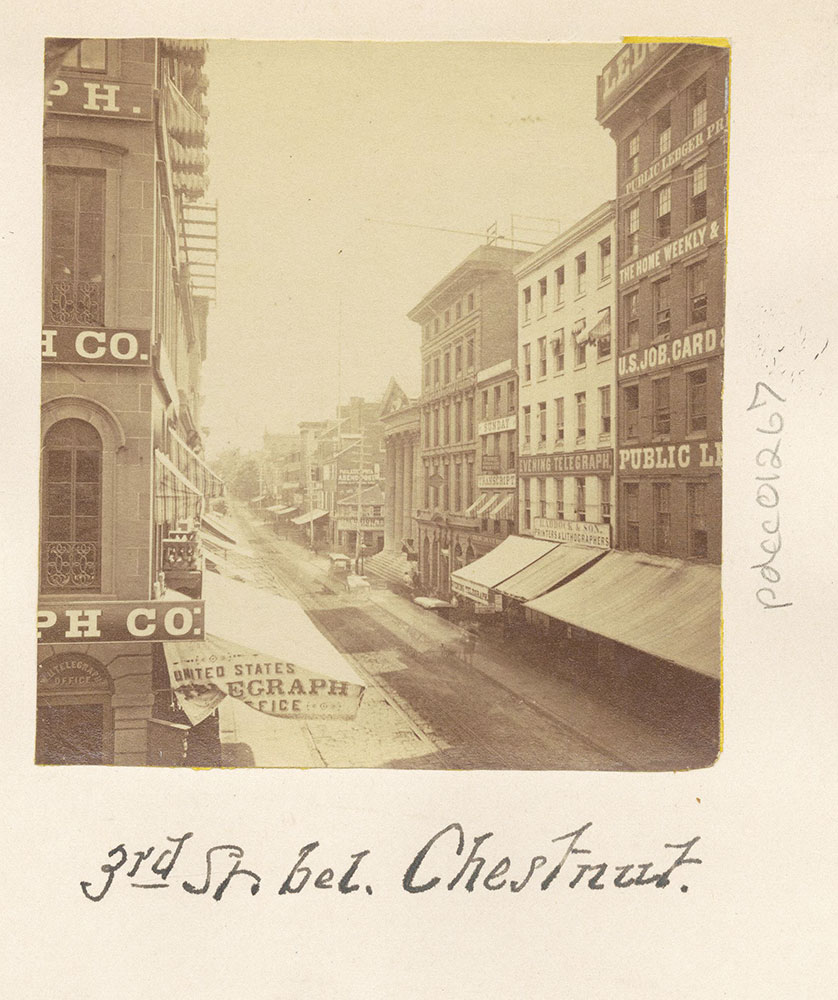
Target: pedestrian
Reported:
[(469, 642)]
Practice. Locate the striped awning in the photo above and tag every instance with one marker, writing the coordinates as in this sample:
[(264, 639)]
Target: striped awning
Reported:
[(502, 507), (579, 333), (194, 468), (601, 330), (482, 504), (176, 497)]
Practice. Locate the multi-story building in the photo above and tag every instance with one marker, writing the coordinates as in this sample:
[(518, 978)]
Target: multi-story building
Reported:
[(665, 105), (497, 430), (567, 377), (469, 323), (128, 279)]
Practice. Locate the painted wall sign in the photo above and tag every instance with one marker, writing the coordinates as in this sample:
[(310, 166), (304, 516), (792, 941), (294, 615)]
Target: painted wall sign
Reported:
[(553, 529), (668, 353), (351, 476), (695, 239), (689, 456), (121, 621), (566, 463), (71, 345), (72, 673), (630, 64), (503, 480), (674, 156), (367, 523), (101, 99), (498, 424)]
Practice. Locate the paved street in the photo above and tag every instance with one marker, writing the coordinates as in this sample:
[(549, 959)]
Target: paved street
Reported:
[(424, 706)]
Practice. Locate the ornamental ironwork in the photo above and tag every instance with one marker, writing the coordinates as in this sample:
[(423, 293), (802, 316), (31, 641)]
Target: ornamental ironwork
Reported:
[(72, 565), (76, 303)]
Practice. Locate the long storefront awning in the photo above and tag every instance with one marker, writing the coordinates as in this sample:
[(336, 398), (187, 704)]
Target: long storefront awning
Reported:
[(176, 497), (263, 650), (194, 467), (511, 556), (218, 529), (549, 571), (281, 510), (665, 607), (312, 515)]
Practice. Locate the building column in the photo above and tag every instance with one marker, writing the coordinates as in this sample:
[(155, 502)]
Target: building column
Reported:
[(390, 497), (407, 522), (399, 498)]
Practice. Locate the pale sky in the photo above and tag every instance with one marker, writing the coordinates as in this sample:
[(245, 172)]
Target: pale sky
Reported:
[(308, 139)]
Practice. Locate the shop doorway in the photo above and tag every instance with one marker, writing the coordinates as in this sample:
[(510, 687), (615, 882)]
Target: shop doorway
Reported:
[(70, 734)]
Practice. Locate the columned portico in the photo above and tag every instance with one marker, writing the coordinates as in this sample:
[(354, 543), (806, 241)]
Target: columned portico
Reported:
[(398, 499), (390, 498)]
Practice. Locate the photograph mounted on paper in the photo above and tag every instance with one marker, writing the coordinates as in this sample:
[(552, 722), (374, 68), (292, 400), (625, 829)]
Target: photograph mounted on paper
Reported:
[(381, 404)]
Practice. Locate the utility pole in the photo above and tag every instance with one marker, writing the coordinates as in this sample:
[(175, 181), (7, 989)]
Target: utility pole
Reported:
[(340, 437), (358, 557)]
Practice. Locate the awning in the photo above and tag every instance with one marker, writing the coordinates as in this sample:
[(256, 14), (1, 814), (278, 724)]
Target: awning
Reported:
[(481, 505), (176, 498), (511, 556), (549, 571), (431, 603), (579, 333), (260, 498), (601, 330), (216, 528), (501, 507), (665, 607), (194, 467), (263, 650), (213, 542), (312, 515), (280, 508)]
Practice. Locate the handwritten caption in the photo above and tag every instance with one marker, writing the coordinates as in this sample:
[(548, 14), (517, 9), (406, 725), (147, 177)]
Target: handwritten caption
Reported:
[(769, 465), (445, 862)]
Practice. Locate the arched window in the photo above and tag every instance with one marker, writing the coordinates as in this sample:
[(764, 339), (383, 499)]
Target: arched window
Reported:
[(71, 522)]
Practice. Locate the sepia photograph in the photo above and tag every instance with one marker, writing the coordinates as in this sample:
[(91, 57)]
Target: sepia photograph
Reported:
[(381, 404)]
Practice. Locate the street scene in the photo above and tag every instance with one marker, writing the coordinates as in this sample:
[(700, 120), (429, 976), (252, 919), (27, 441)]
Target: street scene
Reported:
[(381, 405)]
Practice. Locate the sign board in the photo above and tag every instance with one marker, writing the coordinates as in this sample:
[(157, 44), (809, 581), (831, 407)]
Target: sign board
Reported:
[(659, 167), (474, 591), (628, 67), (553, 529), (120, 621), (497, 425), (69, 672), (694, 239), (367, 523), (568, 462), (490, 463), (351, 476), (501, 481), (671, 352), (72, 345), (690, 456), (101, 98)]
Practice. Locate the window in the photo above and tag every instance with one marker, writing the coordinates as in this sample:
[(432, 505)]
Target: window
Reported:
[(484, 404), (581, 267), (471, 301), (436, 371), (527, 303), (660, 404), (605, 409), (560, 422), (458, 421), (663, 130), (663, 212), (427, 486), (605, 500), (470, 418), (660, 290), (470, 353), (436, 325), (559, 275), (603, 340), (75, 247), (580, 416), (631, 514), (662, 518), (469, 484), (527, 363), (631, 410), (697, 105), (697, 293), (447, 369), (436, 427), (632, 155), (89, 54), (631, 225), (448, 317), (697, 401), (579, 348), (510, 397), (458, 312), (526, 505), (446, 424), (542, 296), (559, 499), (510, 456), (458, 488), (525, 420), (542, 497), (697, 520), (498, 391), (580, 498), (542, 356), (427, 429), (605, 259), (427, 374), (558, 351), (542, 423), (698, 193), (631, 322), (71, 525), (458, 360)]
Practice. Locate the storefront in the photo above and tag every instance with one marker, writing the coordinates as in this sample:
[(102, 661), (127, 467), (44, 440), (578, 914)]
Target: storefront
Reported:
[(476, 583)]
